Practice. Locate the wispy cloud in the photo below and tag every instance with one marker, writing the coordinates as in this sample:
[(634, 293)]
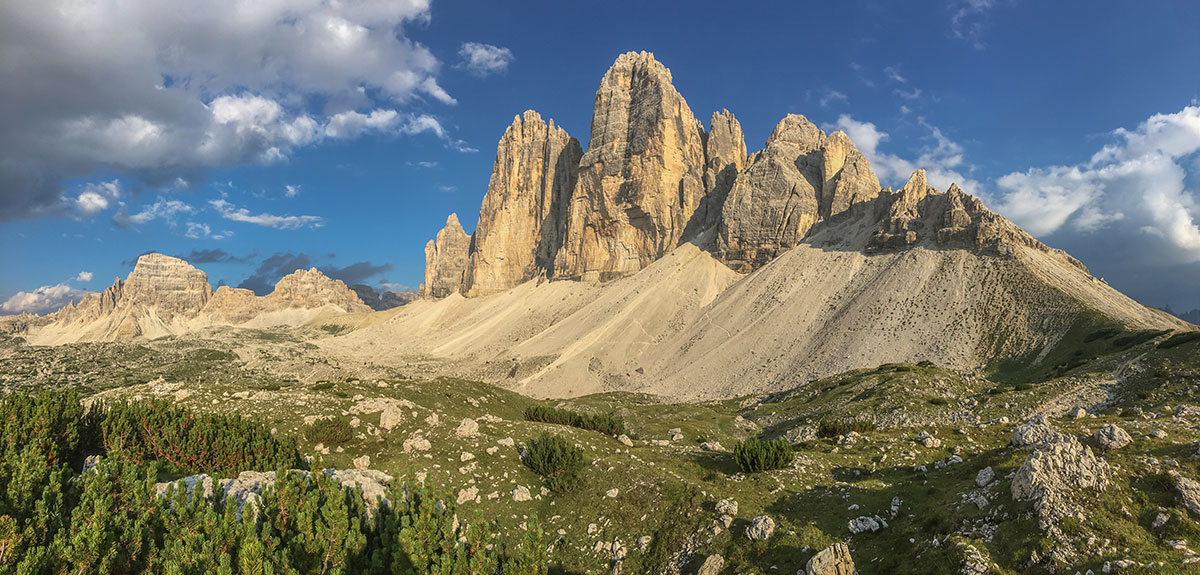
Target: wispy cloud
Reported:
[(970, 19), (233, 213), (893, 74), (831, 97), (161, 209), (484, 59), (291, 191), (941, 158)]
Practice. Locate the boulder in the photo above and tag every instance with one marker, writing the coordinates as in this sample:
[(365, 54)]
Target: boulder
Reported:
[(1036, 431), (984, 477), (865, 523), (390, 417), (1112, 437), (761, 528), (1188, 490), (712, 565), (468, 428), (832, 560)]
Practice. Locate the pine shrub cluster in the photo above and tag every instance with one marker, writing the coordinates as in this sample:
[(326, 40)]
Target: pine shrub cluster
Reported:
[(111, 519), (556, 459), (754, 454), (329, 430), (607, 424), (185, 442)]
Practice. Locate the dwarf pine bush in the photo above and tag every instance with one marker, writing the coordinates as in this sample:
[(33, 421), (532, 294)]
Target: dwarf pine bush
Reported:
[(754, 454), (556, 459), (330, 431), (606, 424)]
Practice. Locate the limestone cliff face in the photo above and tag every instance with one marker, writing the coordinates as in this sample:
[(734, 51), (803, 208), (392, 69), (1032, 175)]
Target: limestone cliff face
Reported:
[(446, 260), (801, 177), (641, 179), (725, 155), (524, 209)]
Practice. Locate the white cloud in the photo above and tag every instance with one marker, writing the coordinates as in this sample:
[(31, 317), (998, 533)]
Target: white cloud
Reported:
[(893, 73), (942, 160), (484, 59), (84, 277), (95, 198), (157, 91), (970, 19), (291, 191), (236, 214), (909, 95), (197, 230), (1140, 180), (42, 300), (161, 209), (832, 96)]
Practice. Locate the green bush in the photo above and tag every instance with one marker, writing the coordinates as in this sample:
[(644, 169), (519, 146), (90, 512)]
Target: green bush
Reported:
[(1180, 339), (182, 441), (938, 401), (556, 459), (839, 427), (606, 424), (330, 431), (754, 455)]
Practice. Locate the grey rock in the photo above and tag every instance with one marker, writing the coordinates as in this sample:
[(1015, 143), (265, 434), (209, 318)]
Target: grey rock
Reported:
[(832, 560), (761, 528)]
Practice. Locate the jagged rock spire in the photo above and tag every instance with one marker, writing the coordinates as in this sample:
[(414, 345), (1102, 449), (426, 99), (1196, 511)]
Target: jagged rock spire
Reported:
[(641, 179), (524, 210), (446, 260)]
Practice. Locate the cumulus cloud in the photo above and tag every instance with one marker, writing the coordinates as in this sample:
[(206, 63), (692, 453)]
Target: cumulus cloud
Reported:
[(291, 191), (941, 158), (95, 197), (1139, 180), (484, 59), (236, 214), (159, 92), (42, 300), (84, 277)]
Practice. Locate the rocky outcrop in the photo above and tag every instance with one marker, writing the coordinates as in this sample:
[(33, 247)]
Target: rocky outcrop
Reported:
[(446, 260), (641, 179), (1055, 476), (801, 177), (919, 214), (832, 560), (1112, 437), (524, 209)]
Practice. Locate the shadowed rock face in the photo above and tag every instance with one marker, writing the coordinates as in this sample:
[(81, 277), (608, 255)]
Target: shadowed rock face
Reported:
[(641, 179), (801, 177), (446, 260), (523, 212)]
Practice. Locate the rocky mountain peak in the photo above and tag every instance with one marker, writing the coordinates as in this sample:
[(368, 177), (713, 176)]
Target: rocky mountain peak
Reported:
[(796, 130), (311, 288), (641, 179), (524, 209), (446, 260), (169, 284)]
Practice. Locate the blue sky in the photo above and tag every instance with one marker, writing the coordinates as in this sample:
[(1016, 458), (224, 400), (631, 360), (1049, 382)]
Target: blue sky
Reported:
[(341, 135)]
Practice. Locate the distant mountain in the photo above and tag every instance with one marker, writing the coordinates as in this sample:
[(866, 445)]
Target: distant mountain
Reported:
[(164, 295), (381, 301)]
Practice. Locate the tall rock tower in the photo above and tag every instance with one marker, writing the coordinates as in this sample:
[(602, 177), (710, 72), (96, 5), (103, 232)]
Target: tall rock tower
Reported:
[(642, 177), (523, 214)]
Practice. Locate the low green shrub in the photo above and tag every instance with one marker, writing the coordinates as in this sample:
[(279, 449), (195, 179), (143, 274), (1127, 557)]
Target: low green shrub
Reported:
[(938, 401), (838, 427), (330, 431), (1180, 339), (156, 430), (606, 424), (754, 455), (556, 459)]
